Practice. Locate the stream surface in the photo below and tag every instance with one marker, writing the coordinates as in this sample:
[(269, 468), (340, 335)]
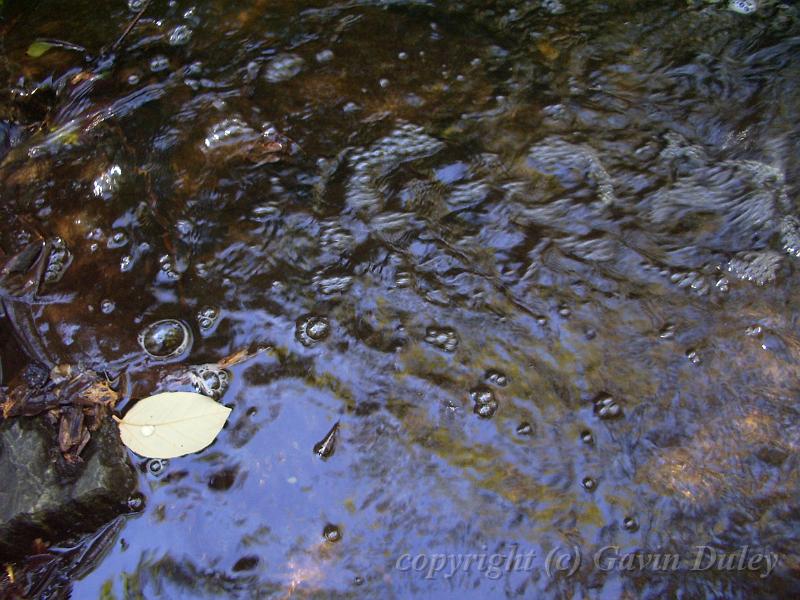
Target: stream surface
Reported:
[(536, 259)]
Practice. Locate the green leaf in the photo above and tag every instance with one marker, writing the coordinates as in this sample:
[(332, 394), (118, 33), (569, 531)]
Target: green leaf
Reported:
[(38, 48), (172, 424)]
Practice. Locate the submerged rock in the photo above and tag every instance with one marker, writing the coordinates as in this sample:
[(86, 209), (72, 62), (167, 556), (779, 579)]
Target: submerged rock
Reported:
[(42, 496)]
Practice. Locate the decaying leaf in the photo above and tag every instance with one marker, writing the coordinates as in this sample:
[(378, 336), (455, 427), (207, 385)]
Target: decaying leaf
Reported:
[(172, 424), (38, 48)]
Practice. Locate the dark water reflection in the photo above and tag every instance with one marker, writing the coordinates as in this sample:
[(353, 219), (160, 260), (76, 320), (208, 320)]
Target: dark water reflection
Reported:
[(583, 219)]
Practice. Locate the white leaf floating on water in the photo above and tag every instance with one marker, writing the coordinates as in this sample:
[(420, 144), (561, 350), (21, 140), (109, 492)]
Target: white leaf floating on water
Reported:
[(172, 424)]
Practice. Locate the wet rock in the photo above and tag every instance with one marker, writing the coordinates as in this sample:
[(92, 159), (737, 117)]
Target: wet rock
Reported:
[(44, 497)]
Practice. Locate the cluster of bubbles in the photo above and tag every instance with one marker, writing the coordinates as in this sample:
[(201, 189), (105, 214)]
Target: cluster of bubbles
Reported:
[(168, 268), (790, 235), (107, 183), (283, 67), (159, 63), (210, 380), (165, 339), (329, 286), (57, 261), (759, 267), (606, 407), (554, 7), (179, 36), (206, 318), (444, 338), (228, 133), (667, 332), (484, 401), (552, 155), (496, 377), (744, 7), (699, 283), (693, 356), (406, 142)]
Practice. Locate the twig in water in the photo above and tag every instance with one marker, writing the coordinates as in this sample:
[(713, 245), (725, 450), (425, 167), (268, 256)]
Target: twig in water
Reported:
[(130, 26)]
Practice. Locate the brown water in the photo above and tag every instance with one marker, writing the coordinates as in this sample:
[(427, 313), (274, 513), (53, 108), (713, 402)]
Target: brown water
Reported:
[(505, 213)]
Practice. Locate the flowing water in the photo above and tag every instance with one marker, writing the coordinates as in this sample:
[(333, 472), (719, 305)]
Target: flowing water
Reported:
[(537, 260)]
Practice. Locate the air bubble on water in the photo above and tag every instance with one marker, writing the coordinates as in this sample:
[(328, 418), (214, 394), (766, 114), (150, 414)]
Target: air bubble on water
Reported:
[(606, 407), (117, 240), (402, 55), (587, 437), (444, 338), (283, 67), (136, 502), (324, 56), (485, 403), (179, 36), (667, 332), (743, 7), (107, 307), (590, 333), (165, 339), (332, 533), (384, 83), (496, 377), (184, 227), (630, 524), (136, 5), (693, 356), (589, 484), (524, 428), (159, 63), (157, 466), (311, 329), (541, 320)]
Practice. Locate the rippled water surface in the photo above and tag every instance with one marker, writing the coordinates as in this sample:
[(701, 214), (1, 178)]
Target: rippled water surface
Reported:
[(536, 259)]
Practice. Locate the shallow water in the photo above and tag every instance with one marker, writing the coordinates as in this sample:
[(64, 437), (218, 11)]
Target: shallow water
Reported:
[(536, 260)]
